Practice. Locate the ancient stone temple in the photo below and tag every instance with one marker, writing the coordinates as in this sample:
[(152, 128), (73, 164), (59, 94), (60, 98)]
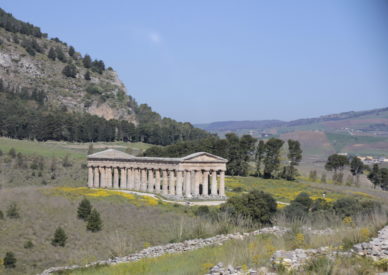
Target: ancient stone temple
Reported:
[(199, 175)]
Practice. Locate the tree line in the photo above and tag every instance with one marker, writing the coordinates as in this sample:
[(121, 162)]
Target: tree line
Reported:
[(239, 151), (337, 163), (11, 24), (23, 115)]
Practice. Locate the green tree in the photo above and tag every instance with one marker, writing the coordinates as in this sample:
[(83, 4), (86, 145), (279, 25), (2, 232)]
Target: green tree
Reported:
[(1, 215), (374, 175), (87, 61), (60, 55), (52, 54), (84, 209), (13, 211), (9, 260), (259, 157), (272, 156), (336, 162), (94, 221), (323, 178), (70, 70), (256, 205), (294, 156), (87, 76), (60, 237), (356, 168), (71, 51)]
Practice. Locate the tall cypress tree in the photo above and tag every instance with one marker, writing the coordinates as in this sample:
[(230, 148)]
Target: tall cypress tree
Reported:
[(259, 157)]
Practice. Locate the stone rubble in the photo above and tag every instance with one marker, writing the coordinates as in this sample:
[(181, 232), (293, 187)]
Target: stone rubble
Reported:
[(156, 251), (377, 248)]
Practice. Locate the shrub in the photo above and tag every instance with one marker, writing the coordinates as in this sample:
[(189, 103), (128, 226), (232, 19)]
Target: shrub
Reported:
[(59, 237), (66, 161), (13, 211), (12, 152), (84, 209), (9, 260), (347, 207), (238, 189), (70, 71), (255, 205), (304, 199), (295, 210), (28, 245), (94, 221), (202, 210), (1, 215)]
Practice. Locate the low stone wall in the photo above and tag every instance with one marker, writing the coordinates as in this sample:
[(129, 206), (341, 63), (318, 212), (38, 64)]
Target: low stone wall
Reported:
[(377, 248), (156, 251)]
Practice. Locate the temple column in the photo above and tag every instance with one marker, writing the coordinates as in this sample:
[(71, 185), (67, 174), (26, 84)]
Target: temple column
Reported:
[(205, 183), (172, 183), (213, 187), (115, 178), (150, 181), (187, 176), (129, 178), (137, 179), (179, 180), (123, 178), (108, 175), (192, 181), (90, 177), (157, 181), (96, 183), (222, 183), (103, 177), (196, 182), (165, 182), (143, 185)]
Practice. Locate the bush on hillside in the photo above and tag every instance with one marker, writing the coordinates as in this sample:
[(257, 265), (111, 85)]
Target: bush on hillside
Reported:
[(94, 221), (9, 260), (84, 209), (59, 237), (256, 205)]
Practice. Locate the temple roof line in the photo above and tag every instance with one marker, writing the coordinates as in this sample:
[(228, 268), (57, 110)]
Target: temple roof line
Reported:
[(112, 154)]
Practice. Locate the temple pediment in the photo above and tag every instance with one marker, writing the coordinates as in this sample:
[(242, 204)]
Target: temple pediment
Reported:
[(110, 154), (203, 157)]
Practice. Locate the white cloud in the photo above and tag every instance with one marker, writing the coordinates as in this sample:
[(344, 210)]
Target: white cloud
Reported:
[(155, 37)]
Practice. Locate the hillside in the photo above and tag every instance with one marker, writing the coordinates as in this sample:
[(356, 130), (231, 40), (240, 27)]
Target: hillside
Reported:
[(41, 77), (361, 133)]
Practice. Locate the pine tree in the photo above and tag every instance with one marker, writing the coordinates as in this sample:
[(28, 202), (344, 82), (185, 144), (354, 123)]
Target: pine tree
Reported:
[(71, 51), (59, 237), (87, 61), (9, 260), (84, 209), (94, 221), (60, 55), (87, 75), (52, 54), (70, 71)]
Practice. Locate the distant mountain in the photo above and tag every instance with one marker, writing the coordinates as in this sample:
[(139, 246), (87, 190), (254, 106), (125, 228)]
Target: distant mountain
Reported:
[(360, 133), (371, 122)]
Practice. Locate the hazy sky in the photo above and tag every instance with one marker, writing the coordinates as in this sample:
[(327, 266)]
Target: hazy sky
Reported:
[(203, 61)]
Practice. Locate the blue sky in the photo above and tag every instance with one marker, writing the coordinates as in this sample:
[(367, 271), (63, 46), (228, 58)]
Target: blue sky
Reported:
[(204, 61)]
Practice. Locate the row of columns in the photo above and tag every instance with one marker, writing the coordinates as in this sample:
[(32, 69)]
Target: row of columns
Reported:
[(187, 183)]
